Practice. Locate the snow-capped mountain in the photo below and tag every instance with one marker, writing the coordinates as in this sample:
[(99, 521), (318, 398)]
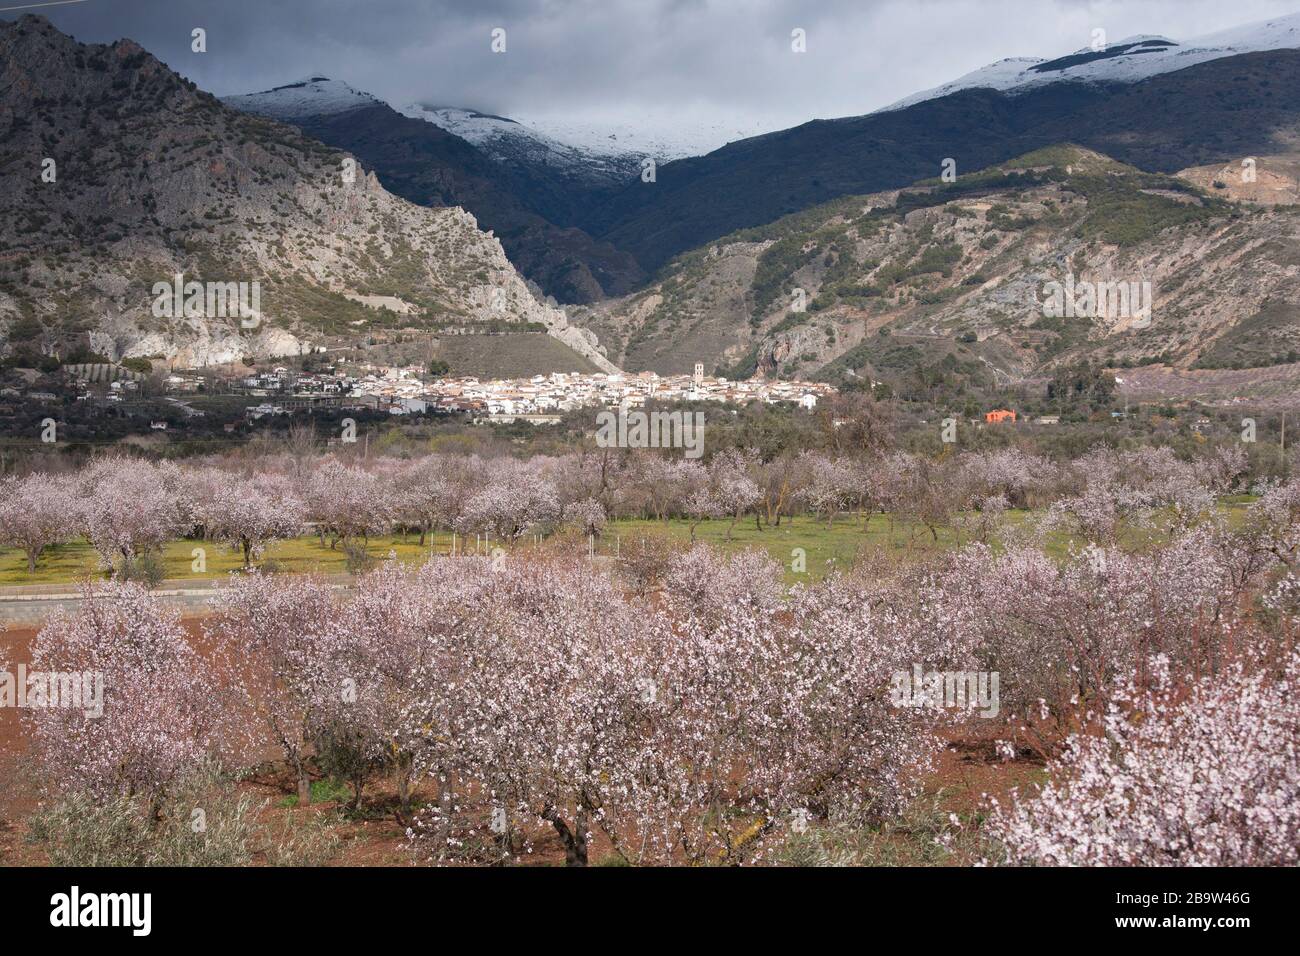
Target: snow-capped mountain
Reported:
[(664, 137), (526, 189), (311, 96), (1127, 61), (119, 100), (513, 144), (609, 150), (595, 153)]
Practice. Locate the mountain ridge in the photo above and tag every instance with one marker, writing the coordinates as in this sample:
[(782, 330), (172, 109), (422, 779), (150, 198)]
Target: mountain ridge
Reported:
[(1226, 108), (529, 207), (150, 178), (1126, 61), (939, 277)]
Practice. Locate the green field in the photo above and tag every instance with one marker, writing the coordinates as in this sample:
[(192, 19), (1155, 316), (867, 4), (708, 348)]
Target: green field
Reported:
[(76, 561), (824, 548)]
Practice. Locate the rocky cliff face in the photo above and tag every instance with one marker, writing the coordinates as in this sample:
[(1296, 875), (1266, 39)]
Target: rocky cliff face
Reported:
[(119, 175), (530, 205)]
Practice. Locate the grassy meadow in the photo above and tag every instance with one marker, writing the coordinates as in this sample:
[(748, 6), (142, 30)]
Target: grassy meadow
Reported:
[(824, 547)]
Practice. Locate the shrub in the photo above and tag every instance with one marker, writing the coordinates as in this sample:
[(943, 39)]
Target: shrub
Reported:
[(358, 560), (147, 569), (205, 821)]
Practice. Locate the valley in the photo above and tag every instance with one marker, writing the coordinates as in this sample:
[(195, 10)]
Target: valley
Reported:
[(658, 435)]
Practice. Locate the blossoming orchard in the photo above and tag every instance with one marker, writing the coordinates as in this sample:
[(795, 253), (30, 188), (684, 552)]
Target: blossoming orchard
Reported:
[(616, 657)]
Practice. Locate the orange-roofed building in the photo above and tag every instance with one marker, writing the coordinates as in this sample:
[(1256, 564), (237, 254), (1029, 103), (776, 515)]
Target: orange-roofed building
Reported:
[(999, 415)]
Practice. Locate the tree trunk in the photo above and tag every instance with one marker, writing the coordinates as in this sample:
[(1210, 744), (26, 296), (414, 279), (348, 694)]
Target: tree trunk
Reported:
[(579, 841), (304, 784), (444, 807), (403, 789), (574, 840)]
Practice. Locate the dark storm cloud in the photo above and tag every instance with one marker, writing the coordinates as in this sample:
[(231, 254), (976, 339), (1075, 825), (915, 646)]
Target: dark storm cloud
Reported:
[(584, 58)]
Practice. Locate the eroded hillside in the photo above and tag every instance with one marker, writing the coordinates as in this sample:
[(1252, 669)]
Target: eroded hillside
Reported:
[(959, 273)]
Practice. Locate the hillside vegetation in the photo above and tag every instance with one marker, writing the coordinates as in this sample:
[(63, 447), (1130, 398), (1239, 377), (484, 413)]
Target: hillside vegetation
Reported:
[(944, 279)]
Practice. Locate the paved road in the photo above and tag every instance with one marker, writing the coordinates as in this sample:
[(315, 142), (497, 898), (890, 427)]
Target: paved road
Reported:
[(32, 609), (29, 605)]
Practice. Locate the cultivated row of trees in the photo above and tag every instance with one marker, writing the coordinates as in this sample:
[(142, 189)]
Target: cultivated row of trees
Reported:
[(128, 507), (683, 707)]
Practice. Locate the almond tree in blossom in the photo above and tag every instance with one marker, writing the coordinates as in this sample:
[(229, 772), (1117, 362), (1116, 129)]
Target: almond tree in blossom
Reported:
[(588, 475), (250, 513), (36, 512), (772, 710), (1211, 778), (280, 627), (781, 482), (663, 486), (560, 704), (131, 507), (1069, 631), (588, 515), (1021, 479), (346, 502), (1270, 532), (704, 504), (830, 485), (924, 491), (431, 493), (726, 491), (1125, 489), (199, 484), (417, 491), (733, 489), (515, 499), (401, 645), (164, 709)]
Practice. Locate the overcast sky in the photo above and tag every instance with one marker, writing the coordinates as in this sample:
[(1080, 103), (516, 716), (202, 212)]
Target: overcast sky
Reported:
[(607, 59)]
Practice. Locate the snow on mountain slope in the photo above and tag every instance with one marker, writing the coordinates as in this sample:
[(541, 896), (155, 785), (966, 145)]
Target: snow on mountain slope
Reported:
[(1127, 61), (664, 137), (514, 144), (313, 96), (616, 145), (601, 152)]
